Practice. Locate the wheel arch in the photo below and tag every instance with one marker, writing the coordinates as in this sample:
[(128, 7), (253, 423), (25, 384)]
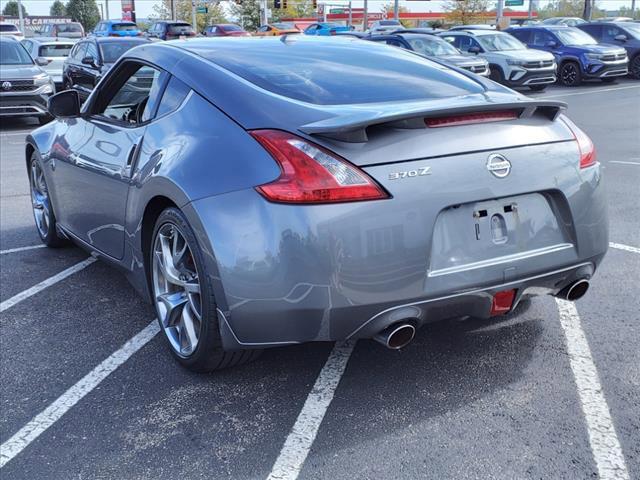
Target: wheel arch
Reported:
[(155, 206)]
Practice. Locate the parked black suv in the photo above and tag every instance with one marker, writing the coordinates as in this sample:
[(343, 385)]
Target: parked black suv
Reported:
[(621, 34), (166, 30), (90, 59)]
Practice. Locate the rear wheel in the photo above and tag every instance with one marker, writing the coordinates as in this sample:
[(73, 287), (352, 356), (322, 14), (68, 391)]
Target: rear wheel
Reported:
[(183, 297), (570, 74), (41, 204)]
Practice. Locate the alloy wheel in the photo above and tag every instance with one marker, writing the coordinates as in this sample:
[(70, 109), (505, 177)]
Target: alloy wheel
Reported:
[(176, 289), (40, 199), (569, 74)]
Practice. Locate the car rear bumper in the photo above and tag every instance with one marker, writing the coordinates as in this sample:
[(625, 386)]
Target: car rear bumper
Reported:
[(286, 274)]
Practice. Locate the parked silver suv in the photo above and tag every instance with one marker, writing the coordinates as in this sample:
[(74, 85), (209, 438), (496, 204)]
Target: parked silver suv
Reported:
[(24, 86)]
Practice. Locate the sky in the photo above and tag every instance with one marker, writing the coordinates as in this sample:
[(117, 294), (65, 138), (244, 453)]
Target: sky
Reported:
[(144, 8)]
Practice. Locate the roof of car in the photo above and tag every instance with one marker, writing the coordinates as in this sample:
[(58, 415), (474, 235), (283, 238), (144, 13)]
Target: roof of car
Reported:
[(118, 39), (126, 22), (476, 33)]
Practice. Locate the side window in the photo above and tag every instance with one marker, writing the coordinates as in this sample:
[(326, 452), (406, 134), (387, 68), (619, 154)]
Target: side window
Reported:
[(594, 30), (79, 51), (395, 43), (173, 96), (28, 45), (610, 32), (92, 51), (132, 94), (541, 39), (453, 41), (522, 35)]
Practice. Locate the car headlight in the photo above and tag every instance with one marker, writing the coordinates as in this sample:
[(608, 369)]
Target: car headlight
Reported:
[(593, 56), (42, 79), (515, 62)]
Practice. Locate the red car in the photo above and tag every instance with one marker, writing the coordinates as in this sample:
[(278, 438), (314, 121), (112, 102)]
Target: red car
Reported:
[(225, 30)]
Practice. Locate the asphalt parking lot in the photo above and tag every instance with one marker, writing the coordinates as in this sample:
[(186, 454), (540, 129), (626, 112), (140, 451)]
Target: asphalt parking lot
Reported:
[(89, 390)]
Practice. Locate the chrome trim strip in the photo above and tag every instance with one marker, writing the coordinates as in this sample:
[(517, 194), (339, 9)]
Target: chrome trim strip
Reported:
[(504, 259)]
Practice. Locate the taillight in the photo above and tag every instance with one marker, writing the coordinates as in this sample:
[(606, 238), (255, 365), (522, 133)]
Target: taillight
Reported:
[(585, 145), (311, 174), (470, 118)]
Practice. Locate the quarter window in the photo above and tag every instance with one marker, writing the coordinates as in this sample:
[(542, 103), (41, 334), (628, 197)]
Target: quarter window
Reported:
[(79, 51), (173, 96)]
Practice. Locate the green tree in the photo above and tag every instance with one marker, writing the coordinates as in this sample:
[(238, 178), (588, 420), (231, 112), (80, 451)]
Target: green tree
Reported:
[(11, 9), (84, 11), (57, 9), (465, 11), (246, 13), (570, 8), (215, 12), (295, 9)]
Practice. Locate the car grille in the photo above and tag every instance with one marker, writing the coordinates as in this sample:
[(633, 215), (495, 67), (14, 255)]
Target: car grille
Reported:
[(539, 64), (16, 85), (614, 57)]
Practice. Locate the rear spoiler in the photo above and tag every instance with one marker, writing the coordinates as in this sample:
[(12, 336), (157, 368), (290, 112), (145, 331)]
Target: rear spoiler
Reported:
[(352, 126)]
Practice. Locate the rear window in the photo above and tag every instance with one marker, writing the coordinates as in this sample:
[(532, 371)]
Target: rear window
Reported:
[(389, 23), (69, 28), (343, 71), (124, 27), (54, 50), (8, 28), (231, 28), (180, 28), (284, 26)]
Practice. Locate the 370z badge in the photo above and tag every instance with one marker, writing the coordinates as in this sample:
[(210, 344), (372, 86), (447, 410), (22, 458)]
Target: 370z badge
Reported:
[(418, 172)]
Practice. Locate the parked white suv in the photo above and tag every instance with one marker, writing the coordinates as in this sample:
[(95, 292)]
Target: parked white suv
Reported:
[(510, 61)]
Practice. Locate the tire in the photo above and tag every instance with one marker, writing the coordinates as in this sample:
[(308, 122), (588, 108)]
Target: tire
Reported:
[(182, 294), (634, 67), (569, 74), (538, 88), (44, 119), (495, 74), (43, 214), (608, 80)]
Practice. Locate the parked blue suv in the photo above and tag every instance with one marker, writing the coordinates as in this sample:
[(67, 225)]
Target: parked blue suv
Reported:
[(578, 55)]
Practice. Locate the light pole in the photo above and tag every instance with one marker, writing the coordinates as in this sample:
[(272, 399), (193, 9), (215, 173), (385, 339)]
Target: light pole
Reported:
[(499, 11), (350, 15), (365, 22), (194, 21), (106, 9), (21, 17), (396, 10)]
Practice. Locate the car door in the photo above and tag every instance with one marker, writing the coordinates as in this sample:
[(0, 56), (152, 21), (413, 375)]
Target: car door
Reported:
[(92, 180), (543, 40), (88, 73), (72, 70)]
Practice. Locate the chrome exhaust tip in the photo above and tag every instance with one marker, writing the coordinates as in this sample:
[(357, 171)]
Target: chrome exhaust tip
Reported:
[(396, 336), (575, 291)]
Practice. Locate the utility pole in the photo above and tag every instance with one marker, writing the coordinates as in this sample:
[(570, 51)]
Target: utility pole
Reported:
[(531, 4), (106, 9), (351, 15), (101, 12), (396, 10), (587, 10), (365, 21), (21, 17), (499, 11), (194, 21), (633, 7), (173, 10), (264, 15)]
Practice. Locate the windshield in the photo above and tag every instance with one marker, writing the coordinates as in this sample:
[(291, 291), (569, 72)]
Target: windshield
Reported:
[(284, 26), (432, 46), (12, 53), (8, 28), (573, 36), (124, 27), (231, 28), (633, 29), (499, 42), (55, 50), (389, 22), (69, 28), (112, 51)]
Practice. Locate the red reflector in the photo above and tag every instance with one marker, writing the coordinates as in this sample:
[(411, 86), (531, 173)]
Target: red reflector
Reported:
[(470, 118), (585, 145), (502, 302), (312, 174)]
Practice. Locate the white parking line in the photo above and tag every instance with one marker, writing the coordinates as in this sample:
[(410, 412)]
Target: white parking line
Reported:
[(304, 431), (21, 249), (586, 92), (32, 430), (623, 162), (605, 446), (627, 248), (45, 283), (11, 134)]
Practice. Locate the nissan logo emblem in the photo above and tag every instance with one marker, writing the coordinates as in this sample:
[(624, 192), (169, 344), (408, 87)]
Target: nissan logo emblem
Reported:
[(498, 165), (6, 86)]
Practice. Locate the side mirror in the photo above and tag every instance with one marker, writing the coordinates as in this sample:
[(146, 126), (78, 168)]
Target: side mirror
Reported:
[(64, 104), (620, 38), (551, 44), (89, 61), (474, 49), (42, 62)]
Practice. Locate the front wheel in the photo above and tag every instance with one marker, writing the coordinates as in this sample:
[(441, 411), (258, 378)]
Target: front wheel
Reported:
[(183, 297), (41, 204), (634, 67), (570, 74)]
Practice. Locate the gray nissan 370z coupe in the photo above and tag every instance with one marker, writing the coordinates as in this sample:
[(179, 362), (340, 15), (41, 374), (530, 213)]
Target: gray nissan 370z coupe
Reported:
[(272, 191)]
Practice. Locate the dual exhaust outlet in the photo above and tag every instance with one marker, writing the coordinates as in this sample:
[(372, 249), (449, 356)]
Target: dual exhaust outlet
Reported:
[(399, 335)]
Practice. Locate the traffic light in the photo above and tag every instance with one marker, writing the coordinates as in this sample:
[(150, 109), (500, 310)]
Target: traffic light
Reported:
[(315, 4), (284, 4), (277, 4)]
